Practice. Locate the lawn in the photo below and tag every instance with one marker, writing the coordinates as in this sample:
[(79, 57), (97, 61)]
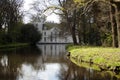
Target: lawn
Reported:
[(105, 58), (12, 46)]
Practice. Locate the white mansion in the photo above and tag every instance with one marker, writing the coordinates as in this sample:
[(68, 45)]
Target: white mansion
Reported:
[(51, 35)]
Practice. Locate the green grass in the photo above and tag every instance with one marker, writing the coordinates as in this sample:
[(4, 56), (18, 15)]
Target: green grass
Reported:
[(101, 56), (13, 45)]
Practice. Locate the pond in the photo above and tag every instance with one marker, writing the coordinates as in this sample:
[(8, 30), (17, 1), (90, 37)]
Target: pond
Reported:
[(45, 62)]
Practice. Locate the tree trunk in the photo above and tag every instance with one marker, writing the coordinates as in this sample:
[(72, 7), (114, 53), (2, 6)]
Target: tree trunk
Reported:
[(0, 27), (118, 24), (74, 36), (72, 30), (79, 37), (113, 28)]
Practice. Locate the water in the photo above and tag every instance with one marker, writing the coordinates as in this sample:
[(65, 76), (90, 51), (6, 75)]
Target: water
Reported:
[(46, 62)]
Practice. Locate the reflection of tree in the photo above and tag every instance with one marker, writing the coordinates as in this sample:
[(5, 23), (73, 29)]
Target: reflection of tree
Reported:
[(74, 72), (16, 58)]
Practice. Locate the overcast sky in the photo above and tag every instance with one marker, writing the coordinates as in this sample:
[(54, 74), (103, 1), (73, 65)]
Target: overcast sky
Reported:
[(26, 7)]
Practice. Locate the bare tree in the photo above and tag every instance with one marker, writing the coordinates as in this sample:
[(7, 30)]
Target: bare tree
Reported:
[(10, 13)]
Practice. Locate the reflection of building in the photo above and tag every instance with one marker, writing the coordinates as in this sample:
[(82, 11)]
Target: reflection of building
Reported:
[(52, 50), (52, 35)]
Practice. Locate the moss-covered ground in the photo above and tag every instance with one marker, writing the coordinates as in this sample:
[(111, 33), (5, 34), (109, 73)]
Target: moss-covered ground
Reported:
[(100, 57)]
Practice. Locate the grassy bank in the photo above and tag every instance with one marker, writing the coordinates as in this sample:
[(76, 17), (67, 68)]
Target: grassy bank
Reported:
[(12, 46), (102, 58)]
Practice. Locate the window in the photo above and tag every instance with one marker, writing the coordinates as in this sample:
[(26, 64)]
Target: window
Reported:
[(44, 39), (51, 37), (36, 25), (55, 39), (44, 33), (51, 33), (43, 27)]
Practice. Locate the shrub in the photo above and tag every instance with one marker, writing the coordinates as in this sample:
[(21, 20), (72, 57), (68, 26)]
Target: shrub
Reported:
[(29, 34), (5, 38)]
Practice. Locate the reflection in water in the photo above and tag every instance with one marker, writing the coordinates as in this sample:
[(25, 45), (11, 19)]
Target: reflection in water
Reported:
[(4, 61), (28, 72), (52, 50), (51, 64)]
